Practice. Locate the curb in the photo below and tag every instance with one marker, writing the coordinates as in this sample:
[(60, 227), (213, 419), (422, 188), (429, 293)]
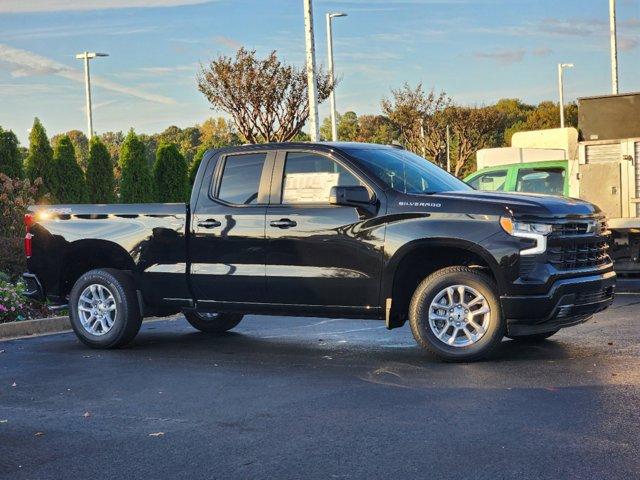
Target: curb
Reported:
[(34, 327)]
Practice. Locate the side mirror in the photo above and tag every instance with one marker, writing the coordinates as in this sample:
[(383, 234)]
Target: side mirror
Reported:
[(353, 196)]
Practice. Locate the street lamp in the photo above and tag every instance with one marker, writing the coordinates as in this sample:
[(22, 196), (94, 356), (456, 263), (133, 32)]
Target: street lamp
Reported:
[(332, 95), (86, 56), (561, 67)]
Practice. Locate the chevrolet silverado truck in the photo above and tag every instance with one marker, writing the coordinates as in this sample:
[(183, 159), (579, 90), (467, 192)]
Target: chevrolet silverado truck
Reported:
[(342, 230)]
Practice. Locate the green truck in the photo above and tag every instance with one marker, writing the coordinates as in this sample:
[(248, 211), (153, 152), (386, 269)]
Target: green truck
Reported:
[(549, 177)]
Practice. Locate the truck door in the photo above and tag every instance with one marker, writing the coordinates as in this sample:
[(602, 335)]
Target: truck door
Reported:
[(227, 245), (318, 254)]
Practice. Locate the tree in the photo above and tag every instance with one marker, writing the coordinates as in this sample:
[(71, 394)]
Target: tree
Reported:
[(70, 186), (80, 144), (266, 98), (195, 163), (473, 128), (170, 174), (135, 179), (515, 114), (39, 162), (348, 127), (418, 117), (10, 158), (217, 132), (377, 129), (101, 183)]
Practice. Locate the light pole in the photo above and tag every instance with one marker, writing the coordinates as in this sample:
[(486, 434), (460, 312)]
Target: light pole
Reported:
[(86, 56), (314, 131), (614, 47), (562, 66), (332, 94)]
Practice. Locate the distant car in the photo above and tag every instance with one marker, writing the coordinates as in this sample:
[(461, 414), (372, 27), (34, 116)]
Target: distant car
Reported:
[(548, 177)]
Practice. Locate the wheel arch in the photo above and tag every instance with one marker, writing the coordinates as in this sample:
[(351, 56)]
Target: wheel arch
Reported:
[(85, 255), (419, 258)]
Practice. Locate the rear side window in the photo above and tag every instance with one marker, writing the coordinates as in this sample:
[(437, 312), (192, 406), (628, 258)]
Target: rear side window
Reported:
[(541, 180), (308, 178), (241, 178), (490, 181)]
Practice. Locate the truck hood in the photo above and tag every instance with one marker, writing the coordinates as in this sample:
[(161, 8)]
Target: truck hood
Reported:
[(516, 204)]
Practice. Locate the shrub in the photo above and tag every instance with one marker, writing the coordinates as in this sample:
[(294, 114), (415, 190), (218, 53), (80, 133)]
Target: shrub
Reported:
[(135, 180), (39, 163), (10, 158), (15, 196), (195, 163), (170, 174), (70, 186), (14, 305), (101, 183)]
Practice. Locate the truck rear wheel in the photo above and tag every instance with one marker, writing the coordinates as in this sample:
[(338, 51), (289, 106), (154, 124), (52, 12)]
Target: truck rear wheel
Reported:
[(103, 308), (455, 314), (209, 322)]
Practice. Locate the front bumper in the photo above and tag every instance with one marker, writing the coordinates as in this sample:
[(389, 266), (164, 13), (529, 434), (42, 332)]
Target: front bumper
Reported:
[(569, 301)]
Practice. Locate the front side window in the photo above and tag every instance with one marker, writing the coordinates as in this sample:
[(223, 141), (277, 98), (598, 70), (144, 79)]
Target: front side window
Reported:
[(241, 178), (406, 172), (308, 178), (491, 181), (541, 180)]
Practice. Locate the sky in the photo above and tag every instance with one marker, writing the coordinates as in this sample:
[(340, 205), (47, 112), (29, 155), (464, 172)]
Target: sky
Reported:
[(477, 51)]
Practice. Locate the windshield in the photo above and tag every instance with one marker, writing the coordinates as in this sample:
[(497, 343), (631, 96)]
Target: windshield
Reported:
[(406, 172)]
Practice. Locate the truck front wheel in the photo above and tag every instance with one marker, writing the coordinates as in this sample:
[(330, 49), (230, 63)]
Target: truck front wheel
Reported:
[(212, 322), (103, 308), (455, 314)]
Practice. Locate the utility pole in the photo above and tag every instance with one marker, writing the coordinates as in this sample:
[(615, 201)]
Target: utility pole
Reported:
[(562, 66), (86, 56), (332, 78), (448, 151), (614, 47), (314, 131)]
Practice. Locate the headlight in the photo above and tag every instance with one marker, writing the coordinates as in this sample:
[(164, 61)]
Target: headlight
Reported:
[(533, 231)]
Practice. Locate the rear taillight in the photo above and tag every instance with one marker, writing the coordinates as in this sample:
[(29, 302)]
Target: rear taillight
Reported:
[(28, 221)]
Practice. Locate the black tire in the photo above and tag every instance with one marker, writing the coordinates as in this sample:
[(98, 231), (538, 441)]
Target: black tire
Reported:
[(534, 338), (213, 323), (127, 316), (425, 293)]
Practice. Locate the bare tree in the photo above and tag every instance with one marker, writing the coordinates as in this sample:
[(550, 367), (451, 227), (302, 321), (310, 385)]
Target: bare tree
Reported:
[(266, 98), (474, 128), (419, 117)]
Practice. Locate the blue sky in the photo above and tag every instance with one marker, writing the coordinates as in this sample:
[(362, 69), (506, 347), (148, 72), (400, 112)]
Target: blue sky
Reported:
[(477, 51)]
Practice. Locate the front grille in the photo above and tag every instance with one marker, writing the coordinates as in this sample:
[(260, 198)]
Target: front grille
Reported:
[(569, 229), (579, 253)]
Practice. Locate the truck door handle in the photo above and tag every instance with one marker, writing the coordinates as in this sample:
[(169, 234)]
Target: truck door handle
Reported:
[(209, 223), (283, 223)]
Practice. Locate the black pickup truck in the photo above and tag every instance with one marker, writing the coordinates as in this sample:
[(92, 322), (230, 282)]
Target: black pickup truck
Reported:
[(341, 230)]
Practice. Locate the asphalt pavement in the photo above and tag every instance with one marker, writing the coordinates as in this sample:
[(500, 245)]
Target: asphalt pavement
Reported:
[(316, 398)]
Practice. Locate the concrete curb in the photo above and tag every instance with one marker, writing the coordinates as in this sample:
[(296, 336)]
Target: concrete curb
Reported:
[(34, 327)]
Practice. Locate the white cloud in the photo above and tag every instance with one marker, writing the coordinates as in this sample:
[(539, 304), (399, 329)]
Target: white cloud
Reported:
[(24, 63), (506, 57), (23, 6)]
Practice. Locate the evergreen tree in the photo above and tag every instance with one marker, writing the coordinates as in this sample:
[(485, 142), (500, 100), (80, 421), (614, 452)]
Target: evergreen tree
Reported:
[(39, 162), (195, 163), (101, 183), (135, 179), (70, 186), (10, 158), (170, 174)]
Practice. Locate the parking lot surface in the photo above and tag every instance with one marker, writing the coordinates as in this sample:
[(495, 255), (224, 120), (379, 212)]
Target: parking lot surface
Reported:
[(318, 398)]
